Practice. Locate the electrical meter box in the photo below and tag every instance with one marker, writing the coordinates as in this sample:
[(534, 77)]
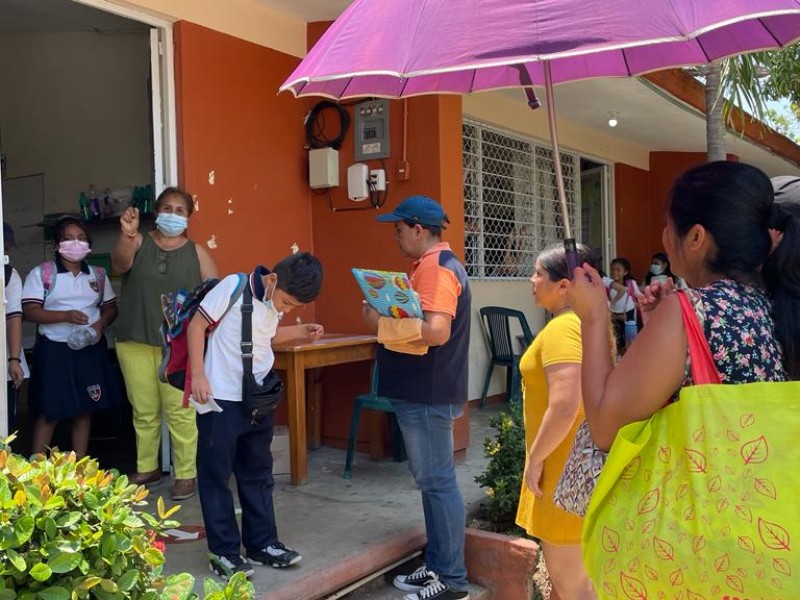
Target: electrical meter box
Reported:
[(372, 130)]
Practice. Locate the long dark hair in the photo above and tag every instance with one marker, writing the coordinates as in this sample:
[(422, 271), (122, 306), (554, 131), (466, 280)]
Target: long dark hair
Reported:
[(625, 264), (782, 274), (735, 203), (554, 260)]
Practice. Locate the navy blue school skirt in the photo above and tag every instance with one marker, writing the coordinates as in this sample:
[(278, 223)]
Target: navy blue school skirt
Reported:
[(66, 383)]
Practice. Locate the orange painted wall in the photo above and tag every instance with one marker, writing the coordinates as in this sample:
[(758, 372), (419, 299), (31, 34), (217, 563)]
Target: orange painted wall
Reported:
[(348, 239), (231, 121), (641, 204), (633, 215)]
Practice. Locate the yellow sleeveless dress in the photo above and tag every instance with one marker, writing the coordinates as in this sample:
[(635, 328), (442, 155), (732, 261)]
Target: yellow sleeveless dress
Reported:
[(559, 342)]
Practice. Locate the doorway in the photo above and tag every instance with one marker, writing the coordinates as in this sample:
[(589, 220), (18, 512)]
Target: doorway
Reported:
[(86, 106), (596, 226)]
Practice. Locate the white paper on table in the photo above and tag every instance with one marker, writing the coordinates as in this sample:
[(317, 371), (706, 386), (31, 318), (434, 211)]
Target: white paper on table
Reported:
[(210, 406)]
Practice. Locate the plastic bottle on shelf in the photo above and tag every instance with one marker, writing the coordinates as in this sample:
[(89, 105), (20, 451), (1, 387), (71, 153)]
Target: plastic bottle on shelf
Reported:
[(107, 210), (94, 203), (84, 205)]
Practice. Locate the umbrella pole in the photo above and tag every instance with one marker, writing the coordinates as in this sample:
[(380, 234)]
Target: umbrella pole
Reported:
[(570, 246)]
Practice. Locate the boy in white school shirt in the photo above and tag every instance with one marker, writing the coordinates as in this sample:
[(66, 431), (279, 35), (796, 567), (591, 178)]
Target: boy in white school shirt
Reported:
[(231, 441)]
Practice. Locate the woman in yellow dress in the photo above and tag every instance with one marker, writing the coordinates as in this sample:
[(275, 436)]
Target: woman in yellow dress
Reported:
[(551, 373)]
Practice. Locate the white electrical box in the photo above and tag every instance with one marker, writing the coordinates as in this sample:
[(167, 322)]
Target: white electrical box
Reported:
[(358, 182), (323, 168)]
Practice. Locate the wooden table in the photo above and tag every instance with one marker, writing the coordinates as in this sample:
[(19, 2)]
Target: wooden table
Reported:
[(297, 358)]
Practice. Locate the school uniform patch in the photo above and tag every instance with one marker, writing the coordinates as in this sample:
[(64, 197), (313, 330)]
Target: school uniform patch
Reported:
[(95, 286), (95, 392)]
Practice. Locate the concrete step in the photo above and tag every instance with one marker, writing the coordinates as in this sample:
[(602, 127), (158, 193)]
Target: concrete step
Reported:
[(381, 588)]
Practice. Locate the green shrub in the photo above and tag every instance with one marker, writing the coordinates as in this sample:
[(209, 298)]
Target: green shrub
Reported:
[(72, 531), (503, 475)]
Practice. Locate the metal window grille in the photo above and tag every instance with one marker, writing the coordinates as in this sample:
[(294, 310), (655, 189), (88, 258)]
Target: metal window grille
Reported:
[(511, 208)]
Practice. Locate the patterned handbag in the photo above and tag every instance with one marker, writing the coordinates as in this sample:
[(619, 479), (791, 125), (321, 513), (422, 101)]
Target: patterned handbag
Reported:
[(580, 474)]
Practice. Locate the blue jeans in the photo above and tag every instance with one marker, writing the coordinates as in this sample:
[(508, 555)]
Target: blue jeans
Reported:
[(428, 433), (228, 442)]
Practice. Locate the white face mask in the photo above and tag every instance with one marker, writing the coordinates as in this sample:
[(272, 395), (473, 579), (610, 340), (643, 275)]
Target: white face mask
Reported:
[(272, 312)]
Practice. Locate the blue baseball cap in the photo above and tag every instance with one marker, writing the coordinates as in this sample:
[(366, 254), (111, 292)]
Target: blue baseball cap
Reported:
[(419, 210)]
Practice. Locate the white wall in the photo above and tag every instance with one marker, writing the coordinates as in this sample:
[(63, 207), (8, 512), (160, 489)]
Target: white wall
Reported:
[(75, 106), (509, 293)]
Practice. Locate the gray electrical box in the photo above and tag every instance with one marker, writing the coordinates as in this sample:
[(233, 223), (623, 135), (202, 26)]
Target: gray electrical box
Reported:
[(372, 130)]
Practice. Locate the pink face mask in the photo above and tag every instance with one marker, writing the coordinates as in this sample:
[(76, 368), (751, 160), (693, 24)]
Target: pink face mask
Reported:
[(74, 250)]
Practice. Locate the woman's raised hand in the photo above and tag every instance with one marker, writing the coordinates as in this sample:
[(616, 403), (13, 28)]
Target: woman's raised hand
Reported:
[(587, 295), (129, 221), (651, 296)]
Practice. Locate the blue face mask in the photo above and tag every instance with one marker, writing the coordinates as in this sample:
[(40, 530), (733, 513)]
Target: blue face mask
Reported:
[(656, 269), (170, 224)]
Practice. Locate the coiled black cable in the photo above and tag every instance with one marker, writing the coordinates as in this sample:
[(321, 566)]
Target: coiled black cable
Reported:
[(315, 130)]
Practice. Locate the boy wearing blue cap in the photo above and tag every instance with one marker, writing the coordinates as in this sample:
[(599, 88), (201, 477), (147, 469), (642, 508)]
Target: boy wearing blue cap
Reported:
[(429, 390)]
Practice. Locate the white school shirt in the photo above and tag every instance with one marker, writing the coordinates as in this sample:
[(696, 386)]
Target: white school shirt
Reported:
[(223, 358), (69, 292), (14, 309), (625, 303)]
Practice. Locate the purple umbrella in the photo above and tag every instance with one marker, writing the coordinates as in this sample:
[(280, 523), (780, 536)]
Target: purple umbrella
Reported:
[(402, 48)]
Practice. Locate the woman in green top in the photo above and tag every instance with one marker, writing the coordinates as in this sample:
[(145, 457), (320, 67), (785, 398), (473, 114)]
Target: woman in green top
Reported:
[(160, 261)]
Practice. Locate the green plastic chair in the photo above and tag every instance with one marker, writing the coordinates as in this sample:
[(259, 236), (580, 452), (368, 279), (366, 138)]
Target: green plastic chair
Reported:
[(496, 322), (372, 401)]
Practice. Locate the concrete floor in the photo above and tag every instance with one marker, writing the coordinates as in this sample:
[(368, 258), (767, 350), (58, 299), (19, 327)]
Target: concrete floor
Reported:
[(332, 519)]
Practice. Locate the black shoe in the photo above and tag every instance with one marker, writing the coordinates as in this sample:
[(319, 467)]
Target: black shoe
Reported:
[(227, 566), (416, 581), (275, 555), (436, 590)]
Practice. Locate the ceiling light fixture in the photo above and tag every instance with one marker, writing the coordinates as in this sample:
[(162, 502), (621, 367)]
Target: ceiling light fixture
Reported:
[(612, 119)]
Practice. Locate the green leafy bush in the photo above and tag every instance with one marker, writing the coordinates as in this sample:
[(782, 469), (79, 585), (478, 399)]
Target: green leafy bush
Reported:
[(72, 531), (503, 475)]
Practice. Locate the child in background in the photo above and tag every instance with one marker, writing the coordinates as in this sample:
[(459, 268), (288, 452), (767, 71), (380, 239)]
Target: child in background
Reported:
[(659, 269), (623, 306), (17, 367), (73, 304)]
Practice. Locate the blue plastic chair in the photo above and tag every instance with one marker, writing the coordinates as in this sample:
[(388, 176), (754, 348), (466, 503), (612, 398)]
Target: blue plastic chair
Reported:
[(372, 401), (496, 321)]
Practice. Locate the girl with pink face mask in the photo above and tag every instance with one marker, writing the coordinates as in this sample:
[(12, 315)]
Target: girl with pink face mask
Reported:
[(73, 304)]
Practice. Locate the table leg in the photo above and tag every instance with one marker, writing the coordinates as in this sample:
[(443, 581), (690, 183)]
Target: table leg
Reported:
[(296, 396), (314, 416)]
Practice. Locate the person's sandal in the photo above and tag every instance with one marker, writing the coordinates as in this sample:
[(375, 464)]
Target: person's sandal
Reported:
[(183, 489)]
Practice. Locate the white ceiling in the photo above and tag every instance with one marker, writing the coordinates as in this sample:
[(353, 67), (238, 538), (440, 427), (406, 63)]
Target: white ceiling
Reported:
[(650, 117), (47, 16)]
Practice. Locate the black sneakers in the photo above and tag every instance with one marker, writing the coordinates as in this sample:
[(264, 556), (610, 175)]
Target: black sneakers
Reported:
[(414, 582), (436, 590), (425, 585), (227, 566), (276, 555)]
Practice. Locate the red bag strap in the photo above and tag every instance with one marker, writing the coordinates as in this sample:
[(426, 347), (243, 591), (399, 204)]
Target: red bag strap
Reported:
[(703, 368)]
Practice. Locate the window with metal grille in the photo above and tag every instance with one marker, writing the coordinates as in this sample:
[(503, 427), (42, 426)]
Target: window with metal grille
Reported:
[(511, 209)]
